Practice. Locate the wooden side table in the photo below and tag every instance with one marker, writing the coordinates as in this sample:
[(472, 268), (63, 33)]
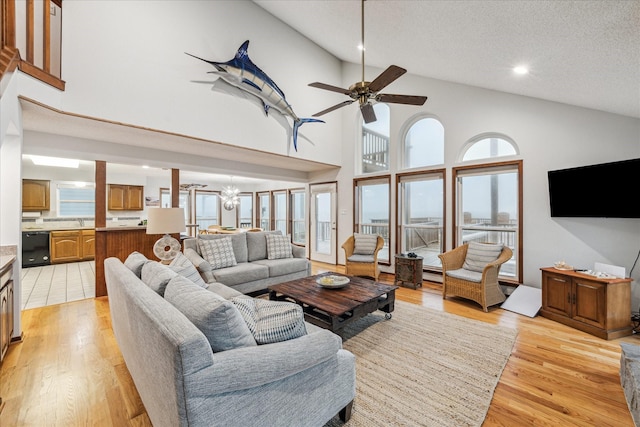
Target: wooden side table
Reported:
[(408, 271)]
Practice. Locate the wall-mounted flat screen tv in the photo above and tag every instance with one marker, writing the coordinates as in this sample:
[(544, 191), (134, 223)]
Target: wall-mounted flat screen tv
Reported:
[(606, 190)]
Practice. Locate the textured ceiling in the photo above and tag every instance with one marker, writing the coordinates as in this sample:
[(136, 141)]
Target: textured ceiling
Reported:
[(584, 53)]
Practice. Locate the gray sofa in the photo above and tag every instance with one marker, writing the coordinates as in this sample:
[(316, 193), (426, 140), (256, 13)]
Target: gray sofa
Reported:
[(303, 381), (254, 272)]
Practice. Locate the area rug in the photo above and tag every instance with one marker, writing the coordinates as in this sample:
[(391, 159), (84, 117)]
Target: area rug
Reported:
[(424, 368)]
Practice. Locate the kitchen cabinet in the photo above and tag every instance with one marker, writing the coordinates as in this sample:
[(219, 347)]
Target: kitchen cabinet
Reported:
[(6, 308), (35, 195), (125, 197), (88, 244), (66, 246), (599, 306)]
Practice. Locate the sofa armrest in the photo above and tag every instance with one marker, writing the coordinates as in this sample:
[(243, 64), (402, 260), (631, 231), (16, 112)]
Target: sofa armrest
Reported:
[(250, 367), (201, 264), (298, 251)]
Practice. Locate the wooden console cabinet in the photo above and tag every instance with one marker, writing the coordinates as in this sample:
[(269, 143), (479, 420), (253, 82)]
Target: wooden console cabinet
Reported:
[(408, 271), (598, 306)]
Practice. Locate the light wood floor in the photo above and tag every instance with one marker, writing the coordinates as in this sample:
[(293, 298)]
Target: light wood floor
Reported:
[(68, 370)]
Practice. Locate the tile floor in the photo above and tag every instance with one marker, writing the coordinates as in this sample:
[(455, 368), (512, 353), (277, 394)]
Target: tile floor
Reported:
[(55, 284)]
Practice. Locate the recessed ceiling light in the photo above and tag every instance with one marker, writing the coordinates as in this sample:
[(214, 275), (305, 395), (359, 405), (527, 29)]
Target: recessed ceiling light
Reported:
[(521, 70), (54, 161), (145, 167)]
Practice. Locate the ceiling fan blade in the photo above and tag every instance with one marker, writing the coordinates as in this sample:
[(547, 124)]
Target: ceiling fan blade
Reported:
[(331, 88), (335, 107), (367, 113), (401, 99), (387, 77)]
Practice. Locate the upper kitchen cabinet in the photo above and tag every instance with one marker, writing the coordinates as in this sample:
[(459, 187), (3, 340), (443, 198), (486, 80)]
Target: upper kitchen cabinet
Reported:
[(35, 195), (125, 197)]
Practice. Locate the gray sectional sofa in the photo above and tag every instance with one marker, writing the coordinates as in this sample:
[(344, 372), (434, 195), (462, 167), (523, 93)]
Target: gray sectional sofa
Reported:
[(304, 381), (253, 272)]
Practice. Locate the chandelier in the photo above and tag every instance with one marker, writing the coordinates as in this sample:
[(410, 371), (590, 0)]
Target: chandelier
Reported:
[(229, 196)]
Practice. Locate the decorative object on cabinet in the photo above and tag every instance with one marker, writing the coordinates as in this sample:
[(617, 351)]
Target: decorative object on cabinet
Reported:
[(600, 306), (125, 197), (408, 270), (166, 221), (242, 73), (35, 195)]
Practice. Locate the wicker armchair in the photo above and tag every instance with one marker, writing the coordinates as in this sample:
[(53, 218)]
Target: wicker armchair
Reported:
[(486, 292), (355, 267)]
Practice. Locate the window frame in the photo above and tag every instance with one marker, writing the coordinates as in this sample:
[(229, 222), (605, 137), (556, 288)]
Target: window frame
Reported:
[(244, 195), (402, 157), (72, 186), (357, 202), (195, 205), (291, 214)]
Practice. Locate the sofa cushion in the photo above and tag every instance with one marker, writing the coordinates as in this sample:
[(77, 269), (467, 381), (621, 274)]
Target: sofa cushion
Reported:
[(241, 273), (218, 319), (257, 244), (181, 265), (278, 246), (365, 244), (156, 276), (480, 254), (218, 252), (135, 261), (280, 267), (238, 240), (271, 321), (469, 275)]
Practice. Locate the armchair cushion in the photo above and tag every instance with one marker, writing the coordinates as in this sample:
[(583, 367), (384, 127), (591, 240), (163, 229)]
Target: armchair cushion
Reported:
[(271, 321), (461, 273), (365, 244), (361, 258), (218, 319), (218, 252), (480, 254), (278, 246)]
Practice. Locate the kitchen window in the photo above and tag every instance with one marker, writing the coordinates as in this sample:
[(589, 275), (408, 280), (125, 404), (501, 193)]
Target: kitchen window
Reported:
[(76, 201)]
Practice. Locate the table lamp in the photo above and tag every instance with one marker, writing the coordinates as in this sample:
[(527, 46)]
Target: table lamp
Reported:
[(165, 221)]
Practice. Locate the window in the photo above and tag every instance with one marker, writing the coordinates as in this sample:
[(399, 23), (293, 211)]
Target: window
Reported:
[(375, 141), (264, 214), (245, 210), (488, 147), (207, 208), (280, 211), (184, 201), (424, 144), (421, 215), (372, 210), (488, 209), (298, 213), (75, 201)]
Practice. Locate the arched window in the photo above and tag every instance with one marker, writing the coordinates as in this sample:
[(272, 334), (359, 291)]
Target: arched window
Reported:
[(424, 144), (375, 141), (488, 147)]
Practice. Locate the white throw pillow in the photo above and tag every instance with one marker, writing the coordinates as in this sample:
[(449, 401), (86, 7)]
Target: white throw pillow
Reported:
[(481, 254), (278, 246), (271, 321), (181, 265), (365, 244), (218, 252)]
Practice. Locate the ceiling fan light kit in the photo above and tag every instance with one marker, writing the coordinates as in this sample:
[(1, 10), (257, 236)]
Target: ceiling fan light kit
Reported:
[(366, 92)]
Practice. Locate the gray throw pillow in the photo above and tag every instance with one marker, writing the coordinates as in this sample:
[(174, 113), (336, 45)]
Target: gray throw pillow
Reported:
[(278, 246), (218, 319), (156, 276), (271, 321), (480, 254), (365, 244), (135, 261), (181, 265), (218, 253)]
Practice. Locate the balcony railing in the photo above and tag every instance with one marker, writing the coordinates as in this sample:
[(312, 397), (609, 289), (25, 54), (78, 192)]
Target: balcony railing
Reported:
[(375, 151), (32, 30)]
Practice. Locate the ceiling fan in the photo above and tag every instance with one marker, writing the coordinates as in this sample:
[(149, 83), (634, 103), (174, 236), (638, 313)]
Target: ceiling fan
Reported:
[(365, 92)]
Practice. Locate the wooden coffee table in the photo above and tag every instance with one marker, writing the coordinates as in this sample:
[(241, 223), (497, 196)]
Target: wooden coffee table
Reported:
[(334, 309)]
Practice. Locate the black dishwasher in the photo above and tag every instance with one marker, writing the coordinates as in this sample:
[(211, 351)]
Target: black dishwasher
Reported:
[(35, 248)]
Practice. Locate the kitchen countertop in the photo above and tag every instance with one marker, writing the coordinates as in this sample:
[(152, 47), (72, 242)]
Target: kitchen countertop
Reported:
[(6, 260), (55, 229)]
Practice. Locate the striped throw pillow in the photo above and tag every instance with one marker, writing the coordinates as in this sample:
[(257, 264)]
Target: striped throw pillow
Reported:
[(271, 321), (218, 253), (185, 268), (480, 254), (278, 246), (365, 244)]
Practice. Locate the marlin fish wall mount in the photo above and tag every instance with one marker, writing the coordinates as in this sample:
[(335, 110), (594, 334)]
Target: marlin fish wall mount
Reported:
[(242, 73)]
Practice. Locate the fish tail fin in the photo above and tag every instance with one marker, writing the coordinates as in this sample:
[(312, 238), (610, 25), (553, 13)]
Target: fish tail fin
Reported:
[(299, 122)]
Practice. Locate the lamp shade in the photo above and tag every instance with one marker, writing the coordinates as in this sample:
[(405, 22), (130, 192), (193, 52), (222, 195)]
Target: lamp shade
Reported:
[(165, 220)]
